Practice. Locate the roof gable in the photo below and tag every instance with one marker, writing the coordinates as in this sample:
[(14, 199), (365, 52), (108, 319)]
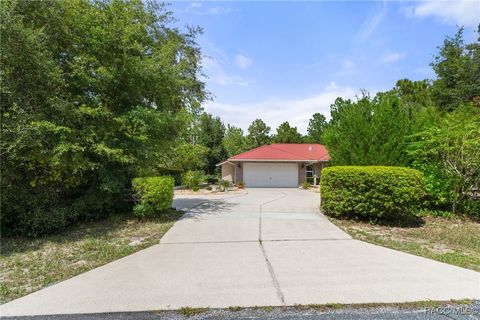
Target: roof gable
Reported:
[(286, 152)]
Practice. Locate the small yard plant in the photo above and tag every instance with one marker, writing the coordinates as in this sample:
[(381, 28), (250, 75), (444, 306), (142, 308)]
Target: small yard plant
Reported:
[(190, 312), (211, 178), (240, 185), (153, 195), (223, 185), (193, 179), (234, 308), (327, 306), (371, 193), (267, 308), (306, 185)]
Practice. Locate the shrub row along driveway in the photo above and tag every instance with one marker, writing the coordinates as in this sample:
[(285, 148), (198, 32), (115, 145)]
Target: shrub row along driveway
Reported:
[(265, 247)]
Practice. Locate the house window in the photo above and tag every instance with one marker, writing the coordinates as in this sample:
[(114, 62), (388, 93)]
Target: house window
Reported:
[(309, 171)]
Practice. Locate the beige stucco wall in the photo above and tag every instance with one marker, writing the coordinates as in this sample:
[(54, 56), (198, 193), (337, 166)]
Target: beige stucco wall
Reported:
[(317, 168), (301, 174), (228, 172), (232, 172), (239, 172)]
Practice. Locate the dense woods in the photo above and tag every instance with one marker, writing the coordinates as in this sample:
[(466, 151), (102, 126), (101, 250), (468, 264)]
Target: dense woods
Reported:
[(93, 94), (96, 93)]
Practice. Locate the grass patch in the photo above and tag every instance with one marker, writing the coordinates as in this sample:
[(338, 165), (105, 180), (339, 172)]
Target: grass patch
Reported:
[(190, 312), (235, 308), (451, 240), (327, 306), (267, 308), (29, 265), (403, 305)]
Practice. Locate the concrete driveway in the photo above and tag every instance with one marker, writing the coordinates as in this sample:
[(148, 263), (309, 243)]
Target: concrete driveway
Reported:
[(267, 247)]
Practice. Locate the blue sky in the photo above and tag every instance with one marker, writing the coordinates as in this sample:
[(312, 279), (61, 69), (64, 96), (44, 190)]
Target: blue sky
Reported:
[(284, 61)]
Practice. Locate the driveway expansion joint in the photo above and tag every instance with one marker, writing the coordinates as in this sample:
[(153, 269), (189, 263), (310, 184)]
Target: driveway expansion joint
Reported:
[(260, 214), (276, 284), (251, 241)]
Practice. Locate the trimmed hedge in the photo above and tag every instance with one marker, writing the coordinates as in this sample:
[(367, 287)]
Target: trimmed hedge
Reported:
[(153, 195), (371, 193), (34, 211)]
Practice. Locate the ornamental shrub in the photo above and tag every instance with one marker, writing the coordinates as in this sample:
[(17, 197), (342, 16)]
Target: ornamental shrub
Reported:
[(211, 178), (192, 179), (222, 185), (372, 192), (34, 211), (153, 195)]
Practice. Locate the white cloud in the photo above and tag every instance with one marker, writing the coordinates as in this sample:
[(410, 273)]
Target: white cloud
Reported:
[(348, 64), (462, 12), (391, 57), (198, 8), (372, 22), (217, 66), (216, 73), (194, 5), (296, 111), (242, 61)]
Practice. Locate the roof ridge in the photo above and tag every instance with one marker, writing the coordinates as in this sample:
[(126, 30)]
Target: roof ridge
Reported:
[(319, 144), (289, 151), (262, 146), (296, 155)]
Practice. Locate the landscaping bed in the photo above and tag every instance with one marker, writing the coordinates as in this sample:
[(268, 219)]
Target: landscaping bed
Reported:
[(204, 191), (455, 241), (29, 265)]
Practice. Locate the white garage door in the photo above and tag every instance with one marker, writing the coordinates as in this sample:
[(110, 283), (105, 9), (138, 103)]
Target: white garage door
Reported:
[(270, 175)]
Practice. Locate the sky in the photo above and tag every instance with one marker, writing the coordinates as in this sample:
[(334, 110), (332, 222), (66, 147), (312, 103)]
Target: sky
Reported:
[(284, 61)]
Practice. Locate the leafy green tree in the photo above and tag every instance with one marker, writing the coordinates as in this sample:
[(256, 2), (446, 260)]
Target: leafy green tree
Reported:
[(188, 156), (457, 67), (316, 126), (371, 131), (91, 94), (416, 93), (211, 134), (287, 134), (416, 101), (449, 154), (234, 141), (258, 134)]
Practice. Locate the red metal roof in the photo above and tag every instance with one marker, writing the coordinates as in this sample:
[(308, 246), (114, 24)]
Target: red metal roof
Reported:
[(286, 152)]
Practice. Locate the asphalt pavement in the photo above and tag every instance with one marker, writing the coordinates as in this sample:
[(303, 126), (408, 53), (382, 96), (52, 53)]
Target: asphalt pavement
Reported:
[(451, 311)]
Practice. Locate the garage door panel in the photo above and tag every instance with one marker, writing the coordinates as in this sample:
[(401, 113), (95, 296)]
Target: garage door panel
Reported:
[(271, 175)]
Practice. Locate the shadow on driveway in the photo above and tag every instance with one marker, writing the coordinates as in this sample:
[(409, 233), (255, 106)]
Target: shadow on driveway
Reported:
[(209, 207)]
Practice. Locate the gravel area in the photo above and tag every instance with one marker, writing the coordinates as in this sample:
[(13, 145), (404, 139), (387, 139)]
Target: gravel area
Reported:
[(302, 313)]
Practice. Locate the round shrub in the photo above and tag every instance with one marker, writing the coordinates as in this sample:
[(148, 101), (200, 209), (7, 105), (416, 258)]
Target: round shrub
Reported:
[(372, 192), (153, 195)]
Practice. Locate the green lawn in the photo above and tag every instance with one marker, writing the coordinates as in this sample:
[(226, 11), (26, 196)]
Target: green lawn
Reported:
[(31, 264), (455, 241)]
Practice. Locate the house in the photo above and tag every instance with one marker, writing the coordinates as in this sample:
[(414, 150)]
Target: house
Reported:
[(276, 165)]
